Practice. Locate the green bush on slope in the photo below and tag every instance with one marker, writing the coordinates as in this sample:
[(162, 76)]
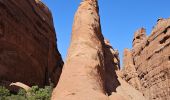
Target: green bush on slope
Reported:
[(35, 93)]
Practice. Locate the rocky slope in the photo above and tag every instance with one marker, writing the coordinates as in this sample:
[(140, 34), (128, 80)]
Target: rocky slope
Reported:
[(151, 60), (126, 92), (89, 72), (28, 51)]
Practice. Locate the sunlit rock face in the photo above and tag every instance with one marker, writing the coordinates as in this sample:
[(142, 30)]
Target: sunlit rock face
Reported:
[(82, 76), (151, 58), (90, 70), (129, 71), (28, 50)]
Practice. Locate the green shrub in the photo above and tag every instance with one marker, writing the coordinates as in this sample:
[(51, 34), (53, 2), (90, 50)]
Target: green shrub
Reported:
[(35, 93), (3, 93)]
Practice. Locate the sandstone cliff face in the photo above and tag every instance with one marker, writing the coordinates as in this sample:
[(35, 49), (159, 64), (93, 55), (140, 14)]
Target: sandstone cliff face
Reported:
[(139, 37), (129, 72), (28, 51), (152, 59), (90, 69)]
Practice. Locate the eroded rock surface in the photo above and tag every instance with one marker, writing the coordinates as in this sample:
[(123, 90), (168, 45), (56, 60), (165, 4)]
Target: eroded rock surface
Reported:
[(112, 64), (126, 92), (28, 51), (83, 73), (90, 70), (129, 71), (151, 59)]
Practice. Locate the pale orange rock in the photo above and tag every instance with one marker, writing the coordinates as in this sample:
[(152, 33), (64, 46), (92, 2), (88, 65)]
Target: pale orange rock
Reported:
[(89, 72), (82, 77), (126, 92), (129, 70), (151, 59), (139, 38)]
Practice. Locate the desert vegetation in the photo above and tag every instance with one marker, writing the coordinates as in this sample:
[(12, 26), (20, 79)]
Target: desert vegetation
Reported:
[(34, 93)]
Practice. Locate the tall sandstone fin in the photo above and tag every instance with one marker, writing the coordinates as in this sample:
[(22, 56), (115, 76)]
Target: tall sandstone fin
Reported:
[(90, 70), (83, 73)]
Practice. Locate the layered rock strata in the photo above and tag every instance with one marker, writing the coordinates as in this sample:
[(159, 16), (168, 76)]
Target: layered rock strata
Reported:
[(129, 72), (151, 59)]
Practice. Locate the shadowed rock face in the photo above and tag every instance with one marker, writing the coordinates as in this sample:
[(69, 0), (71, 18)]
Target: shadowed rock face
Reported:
[(112, 64), (28, 51), (152, 60)]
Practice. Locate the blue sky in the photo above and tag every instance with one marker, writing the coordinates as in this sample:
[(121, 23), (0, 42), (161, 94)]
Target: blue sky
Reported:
[(119, 19)]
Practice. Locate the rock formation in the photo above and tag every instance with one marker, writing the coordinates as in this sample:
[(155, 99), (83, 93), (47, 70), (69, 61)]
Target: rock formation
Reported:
[(129, 71), (29, 55), (83, 73), (28, 51), (151, 59), (21, 85), (112, 64), (139, 37), (126, 92), (92, 65), (114, 54)]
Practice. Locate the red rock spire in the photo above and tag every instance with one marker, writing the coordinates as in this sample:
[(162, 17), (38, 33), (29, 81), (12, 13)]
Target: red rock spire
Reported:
[(82, 76)]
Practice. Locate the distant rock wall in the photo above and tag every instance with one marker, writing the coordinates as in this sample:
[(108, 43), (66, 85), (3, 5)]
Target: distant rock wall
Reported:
[(28, 50), (151, 59), (129, 72)]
